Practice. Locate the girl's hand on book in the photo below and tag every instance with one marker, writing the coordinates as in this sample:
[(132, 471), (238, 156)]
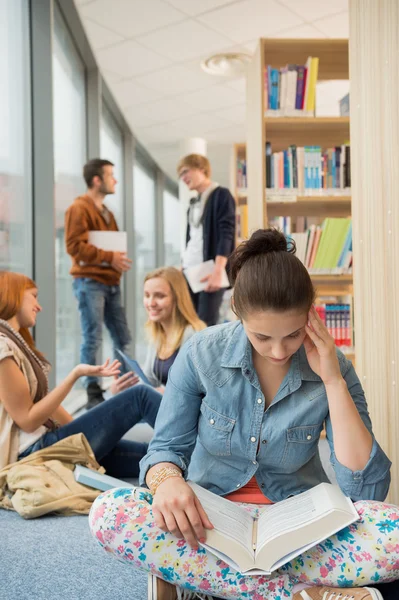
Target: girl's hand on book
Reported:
[(320, 350), (177, 510)]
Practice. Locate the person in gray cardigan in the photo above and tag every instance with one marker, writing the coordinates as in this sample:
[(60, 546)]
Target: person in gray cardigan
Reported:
[(151, 359), (172, 320)]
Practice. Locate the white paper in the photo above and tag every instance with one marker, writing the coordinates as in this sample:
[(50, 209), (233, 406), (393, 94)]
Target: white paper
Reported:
[(114, 241), (198, 272)]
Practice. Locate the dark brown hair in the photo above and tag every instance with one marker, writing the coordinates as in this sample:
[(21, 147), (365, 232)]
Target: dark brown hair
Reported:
[(94, 168), (267, 275)]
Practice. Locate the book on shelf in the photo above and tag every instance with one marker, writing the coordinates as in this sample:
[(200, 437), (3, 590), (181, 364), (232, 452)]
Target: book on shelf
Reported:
[(308, 170), (291, 90), (282, 532), (338, 320), (241, 173), (324, 249)]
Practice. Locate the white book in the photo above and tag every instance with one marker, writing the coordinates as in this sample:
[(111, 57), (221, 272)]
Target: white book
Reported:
[(114, 241), (98, 481), (198, 272), (283, 531)]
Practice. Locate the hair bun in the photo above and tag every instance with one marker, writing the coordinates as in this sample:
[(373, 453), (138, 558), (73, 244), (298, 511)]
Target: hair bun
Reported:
[(262, 241)]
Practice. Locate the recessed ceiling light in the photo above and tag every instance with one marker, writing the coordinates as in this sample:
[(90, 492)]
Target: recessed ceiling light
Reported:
[(226, 65)]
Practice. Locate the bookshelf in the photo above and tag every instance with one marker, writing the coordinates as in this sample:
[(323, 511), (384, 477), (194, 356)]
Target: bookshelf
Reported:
[(264, 204)]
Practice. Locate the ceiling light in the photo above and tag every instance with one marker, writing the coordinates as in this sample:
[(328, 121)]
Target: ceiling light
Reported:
[(226, 65)]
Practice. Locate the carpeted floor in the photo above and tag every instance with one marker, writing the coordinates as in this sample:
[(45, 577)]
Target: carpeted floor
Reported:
[(55, 558)]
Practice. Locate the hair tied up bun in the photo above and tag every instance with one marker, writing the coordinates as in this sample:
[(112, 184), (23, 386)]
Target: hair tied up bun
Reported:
[(262, 241)]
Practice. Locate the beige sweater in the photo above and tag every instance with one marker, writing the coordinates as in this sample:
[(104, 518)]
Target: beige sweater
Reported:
[(9, 431)]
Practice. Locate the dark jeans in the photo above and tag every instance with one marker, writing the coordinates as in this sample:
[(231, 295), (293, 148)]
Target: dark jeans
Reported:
[(98, 304), (207, 305), (106, 424)]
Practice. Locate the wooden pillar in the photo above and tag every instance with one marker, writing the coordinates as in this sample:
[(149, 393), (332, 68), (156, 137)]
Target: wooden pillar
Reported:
[(374, 128)]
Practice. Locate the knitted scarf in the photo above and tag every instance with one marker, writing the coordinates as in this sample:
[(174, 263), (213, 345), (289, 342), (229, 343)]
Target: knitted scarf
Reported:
[(39, 368)]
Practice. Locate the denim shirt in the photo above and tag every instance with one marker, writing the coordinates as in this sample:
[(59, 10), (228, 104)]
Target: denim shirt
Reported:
[(212, 423)]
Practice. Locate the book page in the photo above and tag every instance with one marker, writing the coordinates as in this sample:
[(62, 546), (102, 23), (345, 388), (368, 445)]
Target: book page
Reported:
[(295, 512), (228, 519), (284, 516), (289, 527)]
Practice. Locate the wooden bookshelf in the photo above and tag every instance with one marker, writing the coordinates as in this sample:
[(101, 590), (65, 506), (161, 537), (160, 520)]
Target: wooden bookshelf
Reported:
[(323, 206), (281, 132), (303, 131)]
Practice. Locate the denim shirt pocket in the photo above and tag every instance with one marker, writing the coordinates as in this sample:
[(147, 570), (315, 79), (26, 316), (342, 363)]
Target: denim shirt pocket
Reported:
[(215, 431), (300, 446)]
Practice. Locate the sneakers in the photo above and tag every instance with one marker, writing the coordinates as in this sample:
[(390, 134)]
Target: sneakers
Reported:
[(334, 593), (158, 589), (94, 395)]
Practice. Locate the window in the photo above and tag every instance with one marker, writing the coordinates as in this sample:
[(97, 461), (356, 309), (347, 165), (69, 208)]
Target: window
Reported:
[(15, 138), (145, 257), (69, 92), (111, 143), (171, 220)]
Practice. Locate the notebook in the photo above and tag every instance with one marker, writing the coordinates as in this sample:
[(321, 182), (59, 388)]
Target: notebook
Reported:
[(98, 481), (196, 273), (133, 365)]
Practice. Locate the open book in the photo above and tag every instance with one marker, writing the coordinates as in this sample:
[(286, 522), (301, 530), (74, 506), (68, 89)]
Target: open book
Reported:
[(283, 531)]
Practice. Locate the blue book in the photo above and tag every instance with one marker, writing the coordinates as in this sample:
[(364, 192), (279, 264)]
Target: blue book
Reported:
[(98, 481), (286, 170), (269, 86), (133, 365), (347, 247), (275, 88)]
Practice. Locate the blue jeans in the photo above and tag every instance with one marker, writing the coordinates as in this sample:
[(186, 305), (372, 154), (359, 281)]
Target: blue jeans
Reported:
[(106, 424), (98, 304)]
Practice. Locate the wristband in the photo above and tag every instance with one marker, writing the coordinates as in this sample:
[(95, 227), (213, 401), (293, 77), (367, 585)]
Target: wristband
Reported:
[(162, 475)]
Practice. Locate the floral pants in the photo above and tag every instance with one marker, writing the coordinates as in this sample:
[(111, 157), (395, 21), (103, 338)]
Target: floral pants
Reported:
[(366, 552)]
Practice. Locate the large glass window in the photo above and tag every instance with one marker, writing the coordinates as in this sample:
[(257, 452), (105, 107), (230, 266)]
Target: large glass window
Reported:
[(171, 220), (145, 257), (111, 142), (69, 91), (15, 138)]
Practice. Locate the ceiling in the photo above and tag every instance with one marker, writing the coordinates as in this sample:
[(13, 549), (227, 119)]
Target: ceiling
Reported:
[(149, 52)]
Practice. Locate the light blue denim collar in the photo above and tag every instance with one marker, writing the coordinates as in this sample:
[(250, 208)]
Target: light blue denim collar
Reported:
[(238, 355)]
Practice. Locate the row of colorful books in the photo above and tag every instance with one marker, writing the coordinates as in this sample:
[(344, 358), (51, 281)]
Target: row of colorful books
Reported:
[(337, 319), (326, 249), (308, 168), (291, 90)]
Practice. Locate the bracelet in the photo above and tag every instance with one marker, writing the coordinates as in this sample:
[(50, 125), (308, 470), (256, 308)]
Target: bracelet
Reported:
[(161, 475)]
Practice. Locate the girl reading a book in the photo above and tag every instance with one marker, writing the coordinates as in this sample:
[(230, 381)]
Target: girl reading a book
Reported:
[(31, 416), (241, 416)]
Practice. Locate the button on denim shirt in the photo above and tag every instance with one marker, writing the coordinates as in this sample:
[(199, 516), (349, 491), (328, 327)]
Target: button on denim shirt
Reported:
[(212, 423)]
